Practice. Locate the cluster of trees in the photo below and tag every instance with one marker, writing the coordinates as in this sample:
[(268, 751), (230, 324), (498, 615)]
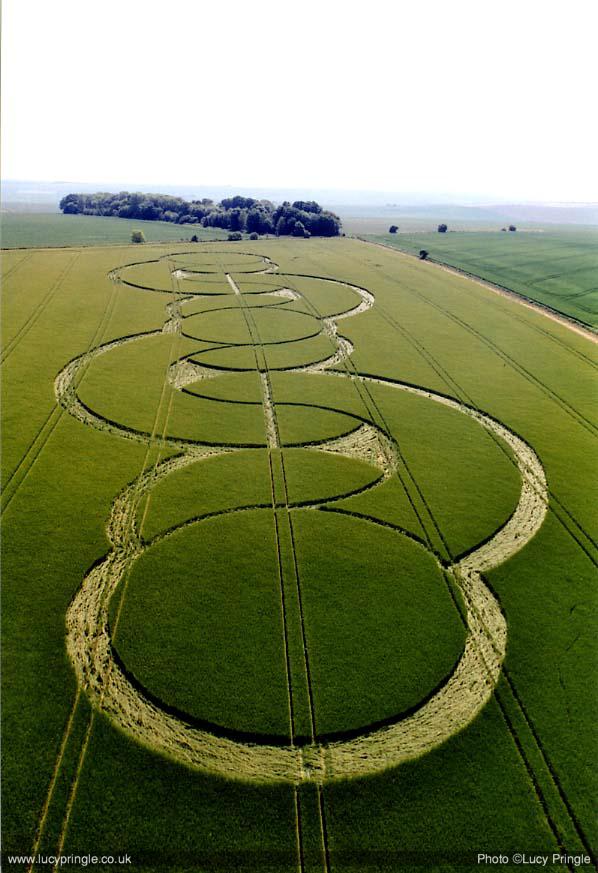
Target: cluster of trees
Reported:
[(236, 214)]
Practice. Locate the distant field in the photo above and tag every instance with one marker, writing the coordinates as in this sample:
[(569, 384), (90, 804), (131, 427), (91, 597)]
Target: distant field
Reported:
[(361, 225), (41, 230), (556, 268), (363, 219), (299, 558)]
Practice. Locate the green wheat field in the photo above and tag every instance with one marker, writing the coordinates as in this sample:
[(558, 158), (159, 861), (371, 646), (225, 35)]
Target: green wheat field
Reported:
[(299, 553)]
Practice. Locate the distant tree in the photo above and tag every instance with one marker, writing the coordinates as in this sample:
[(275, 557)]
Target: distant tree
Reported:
[(503, 228), (259, 220), (197, 210), (512, 227), (194, 238), (442, 228), (148, 211), (254, 235), (299, 229), (306, 234), (235, 236), (423, 254), (137, 236), (238, 202), (393, 228), (235, 214), (235, 222), (267, 224), (307, 206), (325, 224), (70, 204), (253, 223)]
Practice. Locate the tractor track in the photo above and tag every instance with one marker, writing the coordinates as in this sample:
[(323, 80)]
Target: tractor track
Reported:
[(514, 695), (568, 408), (568, 321), (272, 441), (16, 267), (51, 421), (83, 364), (368, 404), (57, 412), (375, 413), (459, 391), (557, 834), (273, 436), (38, 311)]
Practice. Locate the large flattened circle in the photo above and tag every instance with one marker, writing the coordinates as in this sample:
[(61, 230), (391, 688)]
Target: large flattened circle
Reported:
[(220, 261), (278, 356), (263, 326), (202, 629)]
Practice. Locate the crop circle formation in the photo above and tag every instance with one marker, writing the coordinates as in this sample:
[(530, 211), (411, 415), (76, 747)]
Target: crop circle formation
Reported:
[(216, 275)]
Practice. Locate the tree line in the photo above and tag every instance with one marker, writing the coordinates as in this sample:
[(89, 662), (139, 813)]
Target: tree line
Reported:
[(237, 214)]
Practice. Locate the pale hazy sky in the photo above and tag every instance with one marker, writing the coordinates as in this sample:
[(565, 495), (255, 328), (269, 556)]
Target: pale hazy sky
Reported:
[(492, 97)]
